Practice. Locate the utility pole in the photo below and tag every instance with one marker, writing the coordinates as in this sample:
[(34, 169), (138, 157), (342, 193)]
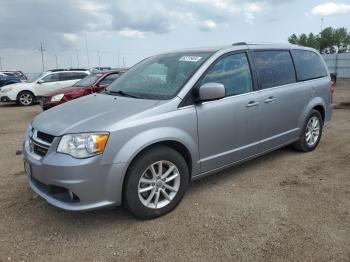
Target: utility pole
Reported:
[(123, 61), (56, 61), (99, 58), (87, 51), (77, 51), (322, 24), (1, 62), (42, 50), (71, 61)]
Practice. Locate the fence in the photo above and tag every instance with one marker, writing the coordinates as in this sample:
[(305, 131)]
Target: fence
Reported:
[(338, 63)]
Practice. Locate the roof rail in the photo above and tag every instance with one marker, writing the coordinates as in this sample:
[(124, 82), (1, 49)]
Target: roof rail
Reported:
[(67, 69), (251, 43)]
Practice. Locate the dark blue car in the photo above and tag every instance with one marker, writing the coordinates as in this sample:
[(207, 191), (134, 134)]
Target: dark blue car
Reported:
[(7, 79)]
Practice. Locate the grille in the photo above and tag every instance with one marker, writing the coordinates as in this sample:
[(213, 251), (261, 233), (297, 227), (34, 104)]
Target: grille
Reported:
[(45, 137), (40, 143)]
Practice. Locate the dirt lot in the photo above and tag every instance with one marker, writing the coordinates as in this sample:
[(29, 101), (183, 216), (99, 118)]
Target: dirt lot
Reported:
[(285, 206)]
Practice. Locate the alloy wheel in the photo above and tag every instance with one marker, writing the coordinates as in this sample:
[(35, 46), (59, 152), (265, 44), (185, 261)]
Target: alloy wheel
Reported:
[(159, 184)]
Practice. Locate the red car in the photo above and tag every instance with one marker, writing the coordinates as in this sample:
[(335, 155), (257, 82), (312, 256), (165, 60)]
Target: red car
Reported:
[(93, 83)]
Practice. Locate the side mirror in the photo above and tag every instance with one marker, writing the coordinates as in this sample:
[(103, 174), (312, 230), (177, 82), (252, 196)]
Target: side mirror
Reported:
[(40, 82), (211, 91)]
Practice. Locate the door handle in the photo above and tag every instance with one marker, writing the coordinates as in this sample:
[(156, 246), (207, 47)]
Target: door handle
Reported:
[(252, 103), (270, 99)]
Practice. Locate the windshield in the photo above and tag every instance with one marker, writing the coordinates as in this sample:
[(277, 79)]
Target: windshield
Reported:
[(36, 78), (88, 80), (159, 77)]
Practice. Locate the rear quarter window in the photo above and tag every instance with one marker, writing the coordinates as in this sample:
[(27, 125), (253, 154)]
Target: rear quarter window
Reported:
[(308, 64), (274, 68)]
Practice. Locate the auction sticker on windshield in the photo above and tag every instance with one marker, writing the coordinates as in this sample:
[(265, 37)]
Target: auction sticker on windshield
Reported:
[(190, 58)]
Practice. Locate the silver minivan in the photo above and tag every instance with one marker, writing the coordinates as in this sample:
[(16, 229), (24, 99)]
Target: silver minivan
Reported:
[(173, 118)]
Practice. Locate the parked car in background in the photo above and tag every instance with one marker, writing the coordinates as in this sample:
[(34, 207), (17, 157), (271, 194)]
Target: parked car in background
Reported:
[(173, 118), (26, 94), (17, 73), (93, 83), (8, 79)]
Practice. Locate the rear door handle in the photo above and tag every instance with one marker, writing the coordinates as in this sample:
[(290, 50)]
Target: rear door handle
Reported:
[(270, 99), (252, 103)]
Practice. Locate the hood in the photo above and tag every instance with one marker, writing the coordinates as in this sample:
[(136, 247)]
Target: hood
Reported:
[(21, 85), (67, 90), (97, 112)]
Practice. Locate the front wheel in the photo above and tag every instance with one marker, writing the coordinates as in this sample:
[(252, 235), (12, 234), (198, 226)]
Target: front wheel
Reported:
[(25, 98), (156, 182), (311, 133)]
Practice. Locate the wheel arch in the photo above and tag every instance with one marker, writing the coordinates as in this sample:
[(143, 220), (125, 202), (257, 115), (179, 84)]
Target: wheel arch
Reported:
[(25, 90), (316, 103)]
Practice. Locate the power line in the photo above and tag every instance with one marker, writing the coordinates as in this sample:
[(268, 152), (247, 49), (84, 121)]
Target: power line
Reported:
[(42, 50), (87, 51), (77, 51), (56, 61)]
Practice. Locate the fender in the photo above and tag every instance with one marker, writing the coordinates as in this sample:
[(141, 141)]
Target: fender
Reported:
[(152, 136), (316, 101)]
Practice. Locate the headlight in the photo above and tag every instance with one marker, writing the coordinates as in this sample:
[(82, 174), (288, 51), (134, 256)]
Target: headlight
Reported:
[(83, 145), (6, 89), (57, 98)]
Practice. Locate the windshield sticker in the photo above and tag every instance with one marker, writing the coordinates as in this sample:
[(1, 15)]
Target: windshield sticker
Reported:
[(190, 58)]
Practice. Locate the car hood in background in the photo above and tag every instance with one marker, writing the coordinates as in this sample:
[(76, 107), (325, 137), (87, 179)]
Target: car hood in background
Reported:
[(92, 113), (67, 90)]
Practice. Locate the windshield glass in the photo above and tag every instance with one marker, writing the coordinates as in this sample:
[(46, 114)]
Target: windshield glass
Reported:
[(88, 80), (36, 78), (159, 77)]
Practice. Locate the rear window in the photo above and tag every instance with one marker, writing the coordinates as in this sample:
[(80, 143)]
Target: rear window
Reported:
[(274, 68), (65, 76), (309, 65)]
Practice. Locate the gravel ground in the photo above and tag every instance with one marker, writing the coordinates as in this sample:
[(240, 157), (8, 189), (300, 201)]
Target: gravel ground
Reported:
[(285, 206)]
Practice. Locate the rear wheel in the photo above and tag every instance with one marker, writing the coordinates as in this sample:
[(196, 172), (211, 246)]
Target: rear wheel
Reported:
[(25, 98), (156, 182), (311, 134)]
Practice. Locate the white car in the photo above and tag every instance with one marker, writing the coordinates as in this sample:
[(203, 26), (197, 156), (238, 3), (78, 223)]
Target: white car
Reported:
[(27, 93)]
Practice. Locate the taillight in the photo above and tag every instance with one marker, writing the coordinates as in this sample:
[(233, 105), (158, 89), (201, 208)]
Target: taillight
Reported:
[(332, 89)]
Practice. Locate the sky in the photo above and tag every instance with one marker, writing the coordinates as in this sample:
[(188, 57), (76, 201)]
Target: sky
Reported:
[(88, 33)]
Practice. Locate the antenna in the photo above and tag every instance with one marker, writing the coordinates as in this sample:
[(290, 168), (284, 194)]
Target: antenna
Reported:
[(42, 50)]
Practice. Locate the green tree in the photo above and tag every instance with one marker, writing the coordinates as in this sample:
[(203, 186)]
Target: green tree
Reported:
[(329, 37)]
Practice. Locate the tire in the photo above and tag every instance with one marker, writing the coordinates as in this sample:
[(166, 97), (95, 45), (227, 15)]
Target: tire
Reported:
[(305, 143), (25, 98), (143, 205)]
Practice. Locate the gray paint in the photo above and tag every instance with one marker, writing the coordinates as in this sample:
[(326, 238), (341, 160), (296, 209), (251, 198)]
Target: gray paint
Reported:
[(217, 133)]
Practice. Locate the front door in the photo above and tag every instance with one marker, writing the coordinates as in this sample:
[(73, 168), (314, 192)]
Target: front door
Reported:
[(47, 84), (229, 128)]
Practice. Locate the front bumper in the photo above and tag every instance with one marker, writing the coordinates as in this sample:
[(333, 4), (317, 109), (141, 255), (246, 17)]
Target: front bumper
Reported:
[(6, 99), (57, 177)]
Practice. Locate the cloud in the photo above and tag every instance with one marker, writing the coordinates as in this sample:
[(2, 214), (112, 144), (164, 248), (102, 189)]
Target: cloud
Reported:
[(207, 25), (330, 8), (130, 33)]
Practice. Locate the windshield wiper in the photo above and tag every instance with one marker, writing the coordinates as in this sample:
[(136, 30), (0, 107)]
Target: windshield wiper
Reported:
[(122, 93)]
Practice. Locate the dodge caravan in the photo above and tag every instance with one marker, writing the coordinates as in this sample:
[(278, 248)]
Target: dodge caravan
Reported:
[(173, 118)]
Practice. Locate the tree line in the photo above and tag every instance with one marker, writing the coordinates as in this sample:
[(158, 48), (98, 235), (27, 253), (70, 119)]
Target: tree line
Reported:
[(329, 40)]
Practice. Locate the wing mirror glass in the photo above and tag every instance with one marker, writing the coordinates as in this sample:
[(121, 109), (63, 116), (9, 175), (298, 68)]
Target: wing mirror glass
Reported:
[(40, 81)]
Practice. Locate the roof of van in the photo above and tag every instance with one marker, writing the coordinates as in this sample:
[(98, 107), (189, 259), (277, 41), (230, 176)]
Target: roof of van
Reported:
[(243, 45)]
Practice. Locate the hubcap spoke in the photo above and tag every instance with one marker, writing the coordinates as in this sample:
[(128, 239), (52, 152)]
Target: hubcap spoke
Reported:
[(146, 181), (171, 177), (168, 172), (170, 188), (145, 189)]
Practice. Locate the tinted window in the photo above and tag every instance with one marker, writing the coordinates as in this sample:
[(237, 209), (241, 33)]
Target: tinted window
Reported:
[(308, 65), (71, 76), (78, 75), (109, 79), (50, 78), (274, 68), (233, 72)]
